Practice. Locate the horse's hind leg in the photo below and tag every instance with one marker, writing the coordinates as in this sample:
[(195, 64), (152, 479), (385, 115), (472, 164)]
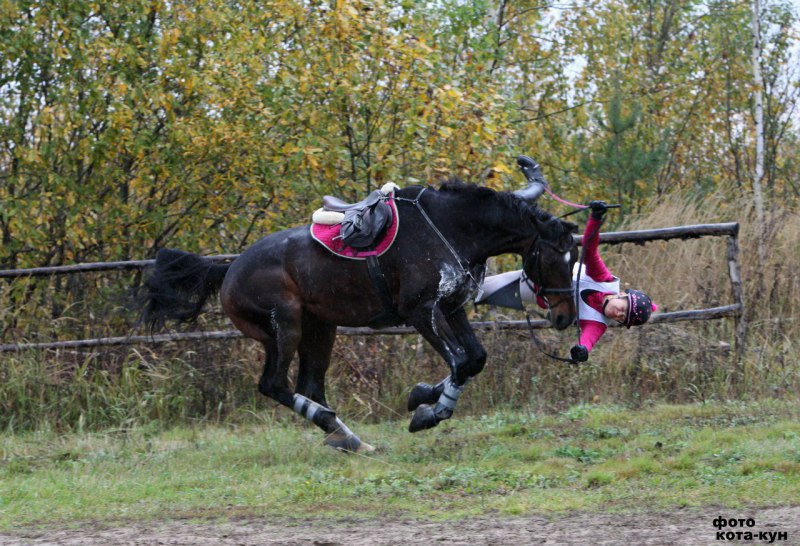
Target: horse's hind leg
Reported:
[(316, 347), (315, 350), (280, 331)]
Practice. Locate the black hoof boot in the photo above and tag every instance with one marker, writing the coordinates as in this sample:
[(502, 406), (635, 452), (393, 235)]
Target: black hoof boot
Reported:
[(423, 418), (422, 393)]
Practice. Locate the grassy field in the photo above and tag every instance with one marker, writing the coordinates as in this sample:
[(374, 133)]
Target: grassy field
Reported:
[(588, 458)]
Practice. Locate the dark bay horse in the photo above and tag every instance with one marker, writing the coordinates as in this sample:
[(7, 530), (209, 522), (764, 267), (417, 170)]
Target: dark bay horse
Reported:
[(289, 293)]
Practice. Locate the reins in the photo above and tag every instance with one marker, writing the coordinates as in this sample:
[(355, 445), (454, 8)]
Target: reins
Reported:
[(565, 202), (540, 345)]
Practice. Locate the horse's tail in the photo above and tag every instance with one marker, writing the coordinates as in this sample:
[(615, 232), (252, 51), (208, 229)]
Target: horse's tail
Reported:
[(179, 286)]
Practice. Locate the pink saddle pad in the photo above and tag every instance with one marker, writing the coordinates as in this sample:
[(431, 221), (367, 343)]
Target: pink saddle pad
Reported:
[(328, 236)]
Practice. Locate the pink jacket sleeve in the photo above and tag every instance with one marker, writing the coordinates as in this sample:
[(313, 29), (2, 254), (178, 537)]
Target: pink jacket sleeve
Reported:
[(593, 264), (591, 332)]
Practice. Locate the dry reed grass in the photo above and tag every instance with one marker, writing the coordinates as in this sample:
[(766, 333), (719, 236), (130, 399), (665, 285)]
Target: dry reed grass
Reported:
[(371, 376)]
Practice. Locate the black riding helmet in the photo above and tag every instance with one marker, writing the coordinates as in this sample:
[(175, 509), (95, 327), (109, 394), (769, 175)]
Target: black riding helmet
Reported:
[(640, 307)]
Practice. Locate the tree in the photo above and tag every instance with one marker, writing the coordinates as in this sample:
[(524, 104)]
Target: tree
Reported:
[(758, 107), (617, 156)]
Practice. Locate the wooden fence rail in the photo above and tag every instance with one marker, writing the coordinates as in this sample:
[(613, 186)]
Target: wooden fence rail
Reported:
[(611, 238), (156, 339), (736, 310)]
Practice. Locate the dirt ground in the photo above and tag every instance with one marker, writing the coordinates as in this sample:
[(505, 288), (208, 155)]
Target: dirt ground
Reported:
[(676, 527)]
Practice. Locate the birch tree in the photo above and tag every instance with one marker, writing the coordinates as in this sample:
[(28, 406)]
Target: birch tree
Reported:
[(758, 171)]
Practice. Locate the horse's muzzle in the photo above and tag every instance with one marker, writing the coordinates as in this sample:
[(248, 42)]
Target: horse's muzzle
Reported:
[(561, 321)]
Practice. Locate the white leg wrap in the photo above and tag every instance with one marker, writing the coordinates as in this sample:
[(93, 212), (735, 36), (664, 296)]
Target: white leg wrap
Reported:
[(450, 395), (307, 407), (310, 410), (449, 398), (346, 431)]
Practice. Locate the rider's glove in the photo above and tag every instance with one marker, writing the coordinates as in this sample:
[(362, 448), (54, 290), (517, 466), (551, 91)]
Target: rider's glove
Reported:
[(599, 208), (579, 353)]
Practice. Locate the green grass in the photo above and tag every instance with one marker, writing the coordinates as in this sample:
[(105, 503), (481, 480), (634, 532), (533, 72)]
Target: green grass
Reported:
[(587, 458)]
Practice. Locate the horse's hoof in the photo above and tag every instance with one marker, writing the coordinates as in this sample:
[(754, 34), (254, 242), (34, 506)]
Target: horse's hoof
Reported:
[(422, 393), (343, 442), (423, 418)]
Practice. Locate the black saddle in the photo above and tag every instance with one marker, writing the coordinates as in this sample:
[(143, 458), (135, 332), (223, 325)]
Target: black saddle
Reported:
[(335, 204), (364, 222)]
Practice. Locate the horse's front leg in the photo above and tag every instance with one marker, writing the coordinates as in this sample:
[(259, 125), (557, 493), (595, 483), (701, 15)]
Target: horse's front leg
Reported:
[(453, 338)]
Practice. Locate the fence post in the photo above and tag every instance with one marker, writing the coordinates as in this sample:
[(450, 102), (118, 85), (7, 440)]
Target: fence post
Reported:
[(738, 296)]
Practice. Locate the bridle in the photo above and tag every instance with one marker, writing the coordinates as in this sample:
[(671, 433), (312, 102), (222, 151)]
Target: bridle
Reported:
[(537, 285), (541, 291)]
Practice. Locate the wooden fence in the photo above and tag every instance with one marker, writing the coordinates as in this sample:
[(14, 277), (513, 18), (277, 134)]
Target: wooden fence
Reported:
[(729, 230)]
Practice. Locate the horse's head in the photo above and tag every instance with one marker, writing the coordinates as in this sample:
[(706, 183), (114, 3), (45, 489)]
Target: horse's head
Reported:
[(548, 263)]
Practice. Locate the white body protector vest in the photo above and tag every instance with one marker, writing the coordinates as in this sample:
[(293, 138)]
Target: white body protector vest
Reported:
[(523, 293), (587, 312)]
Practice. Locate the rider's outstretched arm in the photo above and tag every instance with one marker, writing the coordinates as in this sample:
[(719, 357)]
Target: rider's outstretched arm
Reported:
[(593, 264), (591, 332)]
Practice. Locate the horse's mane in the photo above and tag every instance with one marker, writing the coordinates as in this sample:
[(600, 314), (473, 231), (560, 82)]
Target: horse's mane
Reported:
[(555, 229)]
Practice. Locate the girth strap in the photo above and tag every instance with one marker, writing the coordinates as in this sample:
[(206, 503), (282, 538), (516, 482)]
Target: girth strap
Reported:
[(389, 316)]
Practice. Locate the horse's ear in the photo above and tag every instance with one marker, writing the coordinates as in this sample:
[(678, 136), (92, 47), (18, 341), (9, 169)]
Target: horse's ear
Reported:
[(544, 226), (571, 228), (484, 192), (555, 228)]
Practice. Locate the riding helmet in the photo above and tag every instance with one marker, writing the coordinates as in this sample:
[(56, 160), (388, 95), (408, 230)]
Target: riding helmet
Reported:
[(640, 307)]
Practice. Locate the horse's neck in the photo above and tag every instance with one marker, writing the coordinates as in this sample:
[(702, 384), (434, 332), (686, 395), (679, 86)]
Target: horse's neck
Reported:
[(481, 234)]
